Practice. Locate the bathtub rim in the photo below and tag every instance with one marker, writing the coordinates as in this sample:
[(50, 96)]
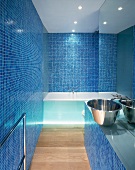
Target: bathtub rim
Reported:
[(76, 96)]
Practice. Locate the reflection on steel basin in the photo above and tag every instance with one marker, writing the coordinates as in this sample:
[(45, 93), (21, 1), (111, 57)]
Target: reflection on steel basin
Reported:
[(129, 109), (104, 111)]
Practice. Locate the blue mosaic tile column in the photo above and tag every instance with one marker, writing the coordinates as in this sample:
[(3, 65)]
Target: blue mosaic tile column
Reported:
[(45, 61), (73, 62), (107, 62), (21, 43), (100, 153)]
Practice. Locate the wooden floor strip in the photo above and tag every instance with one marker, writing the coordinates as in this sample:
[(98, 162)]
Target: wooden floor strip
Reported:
[(60, 149), (44, 150), (59, 166)]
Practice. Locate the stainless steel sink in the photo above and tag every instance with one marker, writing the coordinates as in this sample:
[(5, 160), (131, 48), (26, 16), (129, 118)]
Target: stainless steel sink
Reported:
[(129, 109), (104, 111)]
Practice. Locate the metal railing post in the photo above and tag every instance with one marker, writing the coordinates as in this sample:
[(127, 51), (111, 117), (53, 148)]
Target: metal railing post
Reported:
[(24, 144), (23, 160)]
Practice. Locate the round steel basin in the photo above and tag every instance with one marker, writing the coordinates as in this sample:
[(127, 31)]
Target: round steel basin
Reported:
[(104, 111), (128, 107)]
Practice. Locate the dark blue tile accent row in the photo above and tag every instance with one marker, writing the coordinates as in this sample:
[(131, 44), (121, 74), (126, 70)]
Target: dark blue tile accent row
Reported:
[(100, 153), (73, 62), (21, 43), (134, 63), (107, 62)]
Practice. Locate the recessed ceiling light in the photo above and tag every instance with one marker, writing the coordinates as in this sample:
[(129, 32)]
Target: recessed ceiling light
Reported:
[(120, 8), (9, 22), (73, 30), (75, 22), (19, 30), (79, 7), (104, 22)]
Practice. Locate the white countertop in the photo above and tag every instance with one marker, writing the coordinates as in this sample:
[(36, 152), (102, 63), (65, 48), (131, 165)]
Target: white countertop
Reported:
[(123, 143)]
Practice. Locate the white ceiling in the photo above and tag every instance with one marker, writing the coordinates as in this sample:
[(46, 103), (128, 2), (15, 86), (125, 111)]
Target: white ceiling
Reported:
[(117, 21), (58, 16)]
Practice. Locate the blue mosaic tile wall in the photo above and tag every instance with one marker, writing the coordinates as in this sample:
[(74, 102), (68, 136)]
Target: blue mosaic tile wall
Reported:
[(100, 153), (107, 62), (134, 64), (21, 43), (73, 62)]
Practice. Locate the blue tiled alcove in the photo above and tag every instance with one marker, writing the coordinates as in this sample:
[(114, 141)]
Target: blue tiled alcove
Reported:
[(75, 64), (21, 43)]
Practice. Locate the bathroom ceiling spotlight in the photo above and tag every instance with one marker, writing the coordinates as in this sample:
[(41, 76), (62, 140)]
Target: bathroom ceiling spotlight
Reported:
[(120, 8), (19, 30), (79, 7), (73, 30), (75, 22), (104, 22), (9, 22)]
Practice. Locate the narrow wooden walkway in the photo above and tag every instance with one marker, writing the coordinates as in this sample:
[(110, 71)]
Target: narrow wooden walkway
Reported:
[(60, 149)]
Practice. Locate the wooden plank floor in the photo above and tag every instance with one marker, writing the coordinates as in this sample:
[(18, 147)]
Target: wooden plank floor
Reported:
[(60, 149)]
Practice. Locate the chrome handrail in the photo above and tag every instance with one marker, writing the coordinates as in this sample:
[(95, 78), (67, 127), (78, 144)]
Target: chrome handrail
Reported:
[(23, 160), (21, 163)]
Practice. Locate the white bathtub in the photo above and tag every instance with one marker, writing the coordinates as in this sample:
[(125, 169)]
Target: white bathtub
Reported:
[(67, 108), (77, 96)]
